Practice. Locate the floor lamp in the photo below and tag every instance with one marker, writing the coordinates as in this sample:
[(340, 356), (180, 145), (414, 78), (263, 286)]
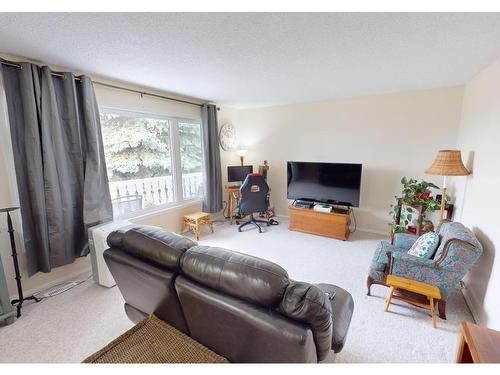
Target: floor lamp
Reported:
[(21, 298), (447, 163)]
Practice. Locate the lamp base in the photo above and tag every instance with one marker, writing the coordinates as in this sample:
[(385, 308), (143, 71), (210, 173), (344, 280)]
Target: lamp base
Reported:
[(443, 204)]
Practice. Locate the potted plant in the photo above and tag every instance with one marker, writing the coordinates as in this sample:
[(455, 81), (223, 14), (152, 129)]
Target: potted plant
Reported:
[(414, 193)]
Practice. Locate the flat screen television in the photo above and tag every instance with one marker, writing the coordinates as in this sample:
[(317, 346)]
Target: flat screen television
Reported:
[(238, 173), (331, 183)]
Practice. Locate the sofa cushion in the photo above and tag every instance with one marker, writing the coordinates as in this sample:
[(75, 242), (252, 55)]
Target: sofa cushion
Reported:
[(154, 244), (309, 304), (250, 278), (425, 246)]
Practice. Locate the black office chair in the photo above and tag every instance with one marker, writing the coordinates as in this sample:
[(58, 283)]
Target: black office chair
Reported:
[(254, 197)]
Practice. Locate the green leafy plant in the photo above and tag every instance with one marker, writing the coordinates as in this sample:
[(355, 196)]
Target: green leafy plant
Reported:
[(414, 193)]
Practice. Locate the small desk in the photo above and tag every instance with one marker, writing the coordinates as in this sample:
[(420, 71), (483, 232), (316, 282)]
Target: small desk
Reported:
[(477, 344), (232, 202), (430, 291)]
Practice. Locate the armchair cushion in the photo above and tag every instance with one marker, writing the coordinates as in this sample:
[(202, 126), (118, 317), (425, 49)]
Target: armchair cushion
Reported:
[(425, 246), (404, 240), (425, 270)]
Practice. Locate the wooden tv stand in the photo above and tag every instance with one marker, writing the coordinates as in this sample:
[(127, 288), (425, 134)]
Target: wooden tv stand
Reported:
[(333, 224)]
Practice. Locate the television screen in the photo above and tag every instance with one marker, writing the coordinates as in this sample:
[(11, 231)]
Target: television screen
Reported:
[(238, 173), (333, 183)]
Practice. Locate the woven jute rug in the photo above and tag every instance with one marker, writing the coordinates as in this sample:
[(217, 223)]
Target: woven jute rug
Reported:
[(154, 341)]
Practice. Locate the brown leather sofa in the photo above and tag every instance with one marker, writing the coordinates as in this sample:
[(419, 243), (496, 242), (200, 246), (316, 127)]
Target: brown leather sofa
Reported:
[(242, 307)]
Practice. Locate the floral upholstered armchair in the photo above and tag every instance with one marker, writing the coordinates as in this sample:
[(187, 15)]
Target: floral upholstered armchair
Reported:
[(458, 250)]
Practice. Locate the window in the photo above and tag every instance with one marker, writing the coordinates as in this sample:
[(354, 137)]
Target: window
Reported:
[(151, 160), (191, 158)]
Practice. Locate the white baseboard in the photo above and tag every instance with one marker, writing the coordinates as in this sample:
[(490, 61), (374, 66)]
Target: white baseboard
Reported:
[(374, 231), (79, 275), (471, 304)]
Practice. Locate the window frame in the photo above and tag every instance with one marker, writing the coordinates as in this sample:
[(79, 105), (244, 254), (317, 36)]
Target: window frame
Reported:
[(176, 160)]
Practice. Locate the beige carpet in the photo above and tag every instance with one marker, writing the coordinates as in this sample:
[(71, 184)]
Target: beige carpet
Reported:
[(71, 326)]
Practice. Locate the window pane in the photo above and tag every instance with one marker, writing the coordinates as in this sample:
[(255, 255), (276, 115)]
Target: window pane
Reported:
[(138, 159), (191, 159)]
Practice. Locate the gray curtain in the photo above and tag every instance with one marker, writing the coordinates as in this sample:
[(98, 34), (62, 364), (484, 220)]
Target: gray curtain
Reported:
[(212, 200), (59, 161)]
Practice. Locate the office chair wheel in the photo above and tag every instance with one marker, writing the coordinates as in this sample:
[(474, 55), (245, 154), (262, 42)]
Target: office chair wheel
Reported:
[(239, 229), (260, 230)]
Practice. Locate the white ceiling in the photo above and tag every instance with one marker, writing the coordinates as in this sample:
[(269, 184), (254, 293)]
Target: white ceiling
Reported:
[(261, 59)]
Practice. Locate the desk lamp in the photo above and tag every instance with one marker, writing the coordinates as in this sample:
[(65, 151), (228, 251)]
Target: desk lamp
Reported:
[(241, 154)]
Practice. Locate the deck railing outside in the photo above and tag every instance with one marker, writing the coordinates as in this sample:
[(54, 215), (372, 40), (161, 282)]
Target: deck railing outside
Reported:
[(155, 191)]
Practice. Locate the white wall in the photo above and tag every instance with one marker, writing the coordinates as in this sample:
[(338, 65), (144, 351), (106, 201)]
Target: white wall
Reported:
[(392, 135), (170, 219), (477, 194)]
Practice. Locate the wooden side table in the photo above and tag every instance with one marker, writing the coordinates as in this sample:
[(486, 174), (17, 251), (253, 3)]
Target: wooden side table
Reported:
[(430, 291), (195, 221), (477, 344)]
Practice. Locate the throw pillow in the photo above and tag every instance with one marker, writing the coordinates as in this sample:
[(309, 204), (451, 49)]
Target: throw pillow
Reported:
[(425, 245)]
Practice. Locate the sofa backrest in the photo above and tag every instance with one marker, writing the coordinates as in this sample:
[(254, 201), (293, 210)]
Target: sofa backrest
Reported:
[(249, 278), (154, 244), (144, 262)]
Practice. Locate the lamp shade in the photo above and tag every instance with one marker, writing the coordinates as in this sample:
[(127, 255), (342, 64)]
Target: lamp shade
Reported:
[(448, 163), (241, 152)]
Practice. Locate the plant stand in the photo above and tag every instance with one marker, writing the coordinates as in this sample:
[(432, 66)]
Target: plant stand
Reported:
[(420, 210)]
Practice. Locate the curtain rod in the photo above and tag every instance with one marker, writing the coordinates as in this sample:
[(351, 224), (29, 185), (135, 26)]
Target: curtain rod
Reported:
[(58, 74)]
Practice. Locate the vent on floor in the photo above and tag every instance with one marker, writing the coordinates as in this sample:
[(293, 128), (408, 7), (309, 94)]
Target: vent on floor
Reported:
[(58, 289)]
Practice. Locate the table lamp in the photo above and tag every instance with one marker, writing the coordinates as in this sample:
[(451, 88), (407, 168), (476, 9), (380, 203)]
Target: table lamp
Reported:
[(241, 154), (447, 163)]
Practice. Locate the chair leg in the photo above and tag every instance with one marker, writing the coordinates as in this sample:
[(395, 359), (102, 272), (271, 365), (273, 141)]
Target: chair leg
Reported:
[(442, 309), (369, 282), (389, 298), (253, 221), (257, 225), (244, 224), (433, 315)]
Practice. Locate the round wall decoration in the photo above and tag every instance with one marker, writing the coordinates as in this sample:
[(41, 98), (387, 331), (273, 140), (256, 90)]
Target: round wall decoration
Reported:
[(227, 137)]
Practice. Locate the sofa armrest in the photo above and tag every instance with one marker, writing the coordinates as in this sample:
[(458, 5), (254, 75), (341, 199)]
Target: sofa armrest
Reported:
[(404, 240), (342, 310)]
